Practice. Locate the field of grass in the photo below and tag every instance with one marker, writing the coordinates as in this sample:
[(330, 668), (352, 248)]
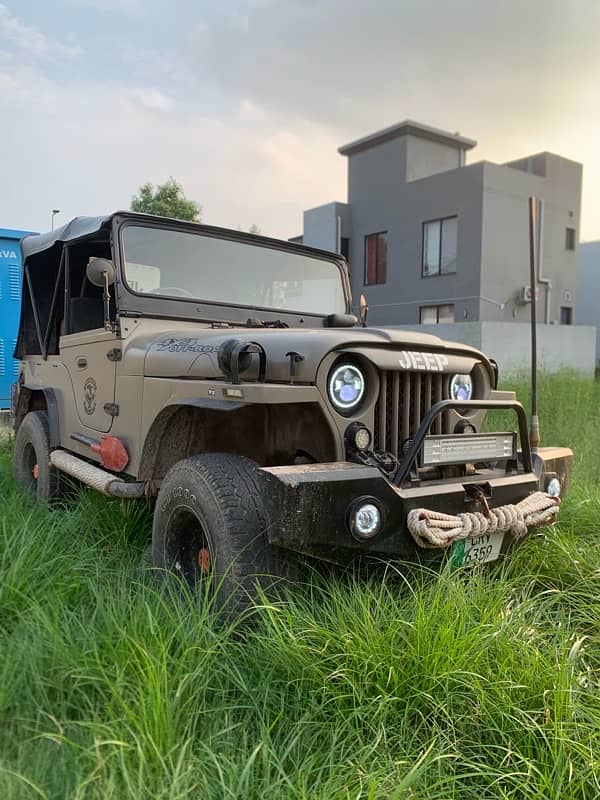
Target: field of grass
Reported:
[(459, 684)]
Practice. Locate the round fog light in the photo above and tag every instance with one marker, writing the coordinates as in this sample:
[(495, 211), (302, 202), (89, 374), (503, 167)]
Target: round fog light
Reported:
[(553, 487), (362, 439), (358, 437), (365, 518)]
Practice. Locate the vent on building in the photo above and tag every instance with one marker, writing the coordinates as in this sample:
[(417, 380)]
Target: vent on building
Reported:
[(14, 280), (15, 362), (2, 359)]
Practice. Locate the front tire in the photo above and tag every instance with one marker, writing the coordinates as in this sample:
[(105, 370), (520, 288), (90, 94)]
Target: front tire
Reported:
[(210, 528), (31, 460)]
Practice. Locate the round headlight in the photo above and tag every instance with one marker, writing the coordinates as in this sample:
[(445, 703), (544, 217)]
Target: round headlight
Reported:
[(346, 387), (461, 387), (365, 518)]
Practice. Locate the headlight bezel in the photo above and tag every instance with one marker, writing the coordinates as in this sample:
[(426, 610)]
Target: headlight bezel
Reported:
[(350, 407)]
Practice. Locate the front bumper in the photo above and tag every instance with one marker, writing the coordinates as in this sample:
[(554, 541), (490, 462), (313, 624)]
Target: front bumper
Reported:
[(310, 503)]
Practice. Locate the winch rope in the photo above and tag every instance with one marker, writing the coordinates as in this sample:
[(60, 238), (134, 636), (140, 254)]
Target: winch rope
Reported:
[(435, 529)]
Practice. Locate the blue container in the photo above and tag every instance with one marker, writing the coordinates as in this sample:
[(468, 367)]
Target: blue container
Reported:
[(10, 306)]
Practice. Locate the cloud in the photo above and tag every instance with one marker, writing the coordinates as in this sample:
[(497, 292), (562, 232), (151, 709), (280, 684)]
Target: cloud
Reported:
[(28, 40), (94, 144), (152, 99), (355, 65), (128, 7), (246, 102)]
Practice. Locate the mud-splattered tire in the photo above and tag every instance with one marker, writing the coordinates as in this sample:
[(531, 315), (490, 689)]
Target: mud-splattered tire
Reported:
[(31, 460), (210, 524)]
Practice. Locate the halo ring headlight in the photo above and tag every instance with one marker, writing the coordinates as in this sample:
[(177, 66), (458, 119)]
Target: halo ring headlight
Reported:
[(461, 387), (346, 387), (365, 518)]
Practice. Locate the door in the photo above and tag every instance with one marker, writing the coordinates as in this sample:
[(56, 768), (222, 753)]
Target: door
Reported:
[(89, 357)]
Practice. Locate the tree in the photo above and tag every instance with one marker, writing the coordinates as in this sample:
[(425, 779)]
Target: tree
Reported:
[(166, 200)]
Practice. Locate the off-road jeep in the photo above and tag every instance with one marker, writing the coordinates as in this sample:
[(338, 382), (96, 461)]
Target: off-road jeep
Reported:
[(225, 375)]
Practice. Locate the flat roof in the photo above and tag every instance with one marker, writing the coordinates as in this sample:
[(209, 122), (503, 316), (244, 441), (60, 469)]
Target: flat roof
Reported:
[(407, 128), (12, 233)]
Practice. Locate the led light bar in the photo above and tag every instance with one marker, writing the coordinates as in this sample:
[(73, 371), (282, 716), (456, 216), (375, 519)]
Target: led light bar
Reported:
[(466, 448)]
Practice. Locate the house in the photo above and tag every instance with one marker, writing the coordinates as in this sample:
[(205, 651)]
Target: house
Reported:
[(434, 241), (587, 311)]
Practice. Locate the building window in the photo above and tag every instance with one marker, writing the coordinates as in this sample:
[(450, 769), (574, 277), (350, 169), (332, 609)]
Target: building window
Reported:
[(345, 247), (432, 315), (570, 239), (375, 258), (440, 238), (566, 315)]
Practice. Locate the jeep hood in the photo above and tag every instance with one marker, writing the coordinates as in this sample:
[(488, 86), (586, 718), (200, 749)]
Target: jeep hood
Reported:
[(194, 354)]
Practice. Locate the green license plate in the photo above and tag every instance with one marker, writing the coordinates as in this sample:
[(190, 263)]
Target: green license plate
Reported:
[(476, 549)]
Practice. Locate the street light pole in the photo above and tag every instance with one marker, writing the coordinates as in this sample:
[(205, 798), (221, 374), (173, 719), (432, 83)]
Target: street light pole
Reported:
[(55, 211)]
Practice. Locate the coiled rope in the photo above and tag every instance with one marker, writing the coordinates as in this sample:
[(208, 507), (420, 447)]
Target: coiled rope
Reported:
[(435, 529)]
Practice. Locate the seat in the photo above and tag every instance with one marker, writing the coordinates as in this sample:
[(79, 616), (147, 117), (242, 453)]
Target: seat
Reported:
[(87, 314)]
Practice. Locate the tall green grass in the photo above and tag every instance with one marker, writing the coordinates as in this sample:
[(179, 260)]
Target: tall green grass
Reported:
[(471, 684)]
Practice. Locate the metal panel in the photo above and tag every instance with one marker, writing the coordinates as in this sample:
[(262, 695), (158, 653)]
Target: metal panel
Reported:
[(10, 306)]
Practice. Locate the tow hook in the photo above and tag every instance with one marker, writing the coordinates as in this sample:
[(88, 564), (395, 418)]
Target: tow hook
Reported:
[(479, 492)]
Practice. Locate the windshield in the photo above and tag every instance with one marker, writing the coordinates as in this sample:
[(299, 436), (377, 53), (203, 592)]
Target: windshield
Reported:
[(178, 264)]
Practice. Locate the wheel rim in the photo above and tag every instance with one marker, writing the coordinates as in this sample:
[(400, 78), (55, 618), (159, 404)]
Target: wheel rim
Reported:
[(188, 548), (30, 471)]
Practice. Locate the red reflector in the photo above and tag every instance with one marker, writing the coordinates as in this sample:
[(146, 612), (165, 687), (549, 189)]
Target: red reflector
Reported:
[(113, 453)]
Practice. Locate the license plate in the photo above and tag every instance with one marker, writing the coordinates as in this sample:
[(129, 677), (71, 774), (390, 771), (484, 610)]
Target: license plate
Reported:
[(476, 549)]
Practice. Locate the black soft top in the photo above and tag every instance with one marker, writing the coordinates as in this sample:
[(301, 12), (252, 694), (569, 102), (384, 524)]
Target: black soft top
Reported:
[(75, 229)]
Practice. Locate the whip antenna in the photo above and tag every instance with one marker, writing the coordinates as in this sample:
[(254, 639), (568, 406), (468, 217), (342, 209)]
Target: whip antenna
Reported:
[(534, 429)]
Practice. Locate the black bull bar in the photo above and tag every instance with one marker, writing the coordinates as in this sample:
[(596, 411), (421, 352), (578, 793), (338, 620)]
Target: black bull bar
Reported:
[(406, 464)]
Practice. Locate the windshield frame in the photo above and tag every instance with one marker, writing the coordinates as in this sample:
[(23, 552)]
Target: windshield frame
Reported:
[(147, 304)]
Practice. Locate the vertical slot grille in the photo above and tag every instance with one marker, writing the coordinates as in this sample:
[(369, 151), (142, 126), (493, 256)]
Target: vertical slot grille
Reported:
[(14, 281), (404, 399), (15, 361)]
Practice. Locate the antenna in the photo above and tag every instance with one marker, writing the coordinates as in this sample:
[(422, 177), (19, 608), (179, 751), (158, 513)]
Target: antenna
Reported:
[(534, 428)]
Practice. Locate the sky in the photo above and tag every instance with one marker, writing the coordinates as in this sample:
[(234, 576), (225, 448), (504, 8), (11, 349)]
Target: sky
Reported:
[(245, 102)]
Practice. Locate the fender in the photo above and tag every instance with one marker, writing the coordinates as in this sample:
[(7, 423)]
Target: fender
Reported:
[(207, 402), (23, 406)]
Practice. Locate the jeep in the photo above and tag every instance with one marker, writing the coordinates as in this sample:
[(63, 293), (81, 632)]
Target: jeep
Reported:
[(225, 376)]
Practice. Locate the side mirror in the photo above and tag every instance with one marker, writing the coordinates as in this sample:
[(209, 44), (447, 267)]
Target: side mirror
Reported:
[(100, 272), (363, 310)]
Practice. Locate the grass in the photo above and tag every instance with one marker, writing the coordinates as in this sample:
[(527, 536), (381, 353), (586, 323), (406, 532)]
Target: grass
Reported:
[(472, 684)]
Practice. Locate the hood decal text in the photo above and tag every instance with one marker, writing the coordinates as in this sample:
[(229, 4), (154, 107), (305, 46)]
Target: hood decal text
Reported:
[(188, 345)]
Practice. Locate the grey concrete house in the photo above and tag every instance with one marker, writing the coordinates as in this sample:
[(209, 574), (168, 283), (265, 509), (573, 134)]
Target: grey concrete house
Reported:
[(433, 241), (587, 310)]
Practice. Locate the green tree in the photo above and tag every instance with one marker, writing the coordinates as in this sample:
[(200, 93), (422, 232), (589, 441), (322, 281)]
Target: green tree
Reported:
[(166, 200)]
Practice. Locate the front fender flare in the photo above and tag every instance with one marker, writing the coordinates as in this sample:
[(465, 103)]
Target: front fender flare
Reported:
[(23, 406)]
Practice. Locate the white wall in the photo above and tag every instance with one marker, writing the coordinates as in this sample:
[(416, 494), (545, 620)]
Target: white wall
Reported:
[(508, 343)]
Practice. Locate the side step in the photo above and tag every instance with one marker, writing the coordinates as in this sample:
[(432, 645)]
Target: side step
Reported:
[(99, 479)]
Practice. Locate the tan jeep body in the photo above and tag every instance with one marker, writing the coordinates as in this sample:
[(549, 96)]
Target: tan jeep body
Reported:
[(157, 376)]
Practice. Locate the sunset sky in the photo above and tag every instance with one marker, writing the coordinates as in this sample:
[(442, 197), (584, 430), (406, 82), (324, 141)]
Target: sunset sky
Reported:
[(246, 101)]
